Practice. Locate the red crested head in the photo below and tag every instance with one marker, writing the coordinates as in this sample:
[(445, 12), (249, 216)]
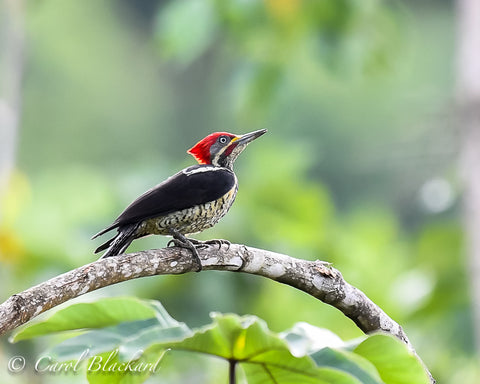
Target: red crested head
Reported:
[(202, 150), (220, 149)]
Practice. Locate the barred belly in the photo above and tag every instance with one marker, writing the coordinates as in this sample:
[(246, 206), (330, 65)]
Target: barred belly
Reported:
[(190, 220)]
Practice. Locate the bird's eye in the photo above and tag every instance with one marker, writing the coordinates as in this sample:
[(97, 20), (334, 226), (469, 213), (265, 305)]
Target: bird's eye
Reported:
[(222, 139)]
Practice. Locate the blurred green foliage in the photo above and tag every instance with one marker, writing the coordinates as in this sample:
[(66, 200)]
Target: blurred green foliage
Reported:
[(356, 97)]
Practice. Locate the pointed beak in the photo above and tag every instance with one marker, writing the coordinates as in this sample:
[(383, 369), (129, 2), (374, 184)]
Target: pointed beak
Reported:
[(248, 137)]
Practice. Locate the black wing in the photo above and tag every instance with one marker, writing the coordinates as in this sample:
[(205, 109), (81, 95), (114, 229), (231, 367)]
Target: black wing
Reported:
[(192, 186)]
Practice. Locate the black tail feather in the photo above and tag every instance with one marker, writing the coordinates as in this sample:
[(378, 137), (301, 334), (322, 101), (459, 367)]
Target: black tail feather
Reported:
[(118, 244), (105, 230), (105, 245)]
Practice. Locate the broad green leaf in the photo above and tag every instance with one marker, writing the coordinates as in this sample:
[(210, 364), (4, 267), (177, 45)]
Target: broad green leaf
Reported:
[(98, 341), (304, 339), (348, 362), (127, 338), (394, 362), (233, 337), (264, 356), (98, 314), (115, 354), (279, 367)]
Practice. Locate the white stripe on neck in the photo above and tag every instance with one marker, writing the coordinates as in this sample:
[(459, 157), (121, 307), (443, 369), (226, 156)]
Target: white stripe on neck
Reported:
[(208, 168)]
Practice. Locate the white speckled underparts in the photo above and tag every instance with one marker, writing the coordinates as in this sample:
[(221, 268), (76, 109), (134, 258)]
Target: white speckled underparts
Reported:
[(190, 220)]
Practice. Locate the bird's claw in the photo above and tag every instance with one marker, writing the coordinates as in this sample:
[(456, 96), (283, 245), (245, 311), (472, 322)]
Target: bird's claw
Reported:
[(181, 241), (176, 243), (204, 244)]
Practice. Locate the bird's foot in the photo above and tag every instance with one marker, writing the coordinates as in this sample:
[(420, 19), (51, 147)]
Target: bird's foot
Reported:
[(182, 241), (219, 242)]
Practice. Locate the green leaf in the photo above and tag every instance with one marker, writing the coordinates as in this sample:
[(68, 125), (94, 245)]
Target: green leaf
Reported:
[(106, 352), (375, 360), (394, 362), (98, 314), (319, 343), (263, 374), (127, 338), (348, 362), (304, 339), (264, 356), (233, 337)]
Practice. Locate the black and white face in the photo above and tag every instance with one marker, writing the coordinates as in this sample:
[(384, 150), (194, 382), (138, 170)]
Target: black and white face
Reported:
[(220, 145)]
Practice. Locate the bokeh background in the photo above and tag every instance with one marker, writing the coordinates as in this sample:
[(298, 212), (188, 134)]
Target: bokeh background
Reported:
[(359, 167)]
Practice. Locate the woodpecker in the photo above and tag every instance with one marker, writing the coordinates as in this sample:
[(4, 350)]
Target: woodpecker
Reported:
[(190, 201)]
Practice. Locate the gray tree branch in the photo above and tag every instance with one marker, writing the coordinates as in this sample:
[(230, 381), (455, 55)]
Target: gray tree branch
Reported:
[(316, 278)]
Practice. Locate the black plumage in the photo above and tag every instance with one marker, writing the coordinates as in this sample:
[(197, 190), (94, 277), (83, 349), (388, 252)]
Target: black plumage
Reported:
[(195, 185)]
